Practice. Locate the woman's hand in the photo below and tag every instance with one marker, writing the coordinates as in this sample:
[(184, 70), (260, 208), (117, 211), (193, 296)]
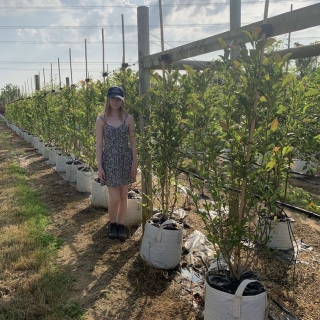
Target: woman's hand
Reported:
[(133, 173), (101, 175)]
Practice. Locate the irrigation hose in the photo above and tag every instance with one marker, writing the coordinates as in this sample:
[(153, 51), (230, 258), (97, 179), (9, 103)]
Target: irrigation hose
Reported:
[(286, 205)]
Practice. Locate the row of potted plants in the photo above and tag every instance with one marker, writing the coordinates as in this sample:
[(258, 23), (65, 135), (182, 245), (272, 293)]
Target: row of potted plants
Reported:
[(237, 127)]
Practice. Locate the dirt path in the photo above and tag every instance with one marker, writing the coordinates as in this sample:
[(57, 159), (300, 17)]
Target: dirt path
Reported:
[(111, 281)]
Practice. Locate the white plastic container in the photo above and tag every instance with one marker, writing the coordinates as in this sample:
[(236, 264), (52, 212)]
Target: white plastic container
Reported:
[(84, 179), (160, 247), (99, 194), (71, 170), (221, 305), (281, 235)]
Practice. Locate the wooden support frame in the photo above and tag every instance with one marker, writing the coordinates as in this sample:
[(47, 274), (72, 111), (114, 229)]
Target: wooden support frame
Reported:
[(296, 20), (311, 50)]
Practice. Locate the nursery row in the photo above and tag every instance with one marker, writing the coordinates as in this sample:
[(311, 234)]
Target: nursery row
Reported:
[(238, 125)]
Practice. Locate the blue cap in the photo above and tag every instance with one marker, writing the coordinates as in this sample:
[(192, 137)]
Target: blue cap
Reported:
[(115, 92)]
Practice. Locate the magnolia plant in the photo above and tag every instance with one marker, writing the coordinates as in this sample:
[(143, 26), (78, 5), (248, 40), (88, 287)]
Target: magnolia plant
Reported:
[(241, 150), (161, 142)]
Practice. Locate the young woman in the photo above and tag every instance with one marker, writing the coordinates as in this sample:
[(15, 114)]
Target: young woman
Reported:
[(117, 158)]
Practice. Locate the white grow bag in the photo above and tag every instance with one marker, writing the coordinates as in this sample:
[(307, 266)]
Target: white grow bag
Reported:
[(99, 194), (84, 179), (221, 305), (40, 147), (61, 161), (281, 235), (161, 247), (134, 212), (52, 156), (71, 170)]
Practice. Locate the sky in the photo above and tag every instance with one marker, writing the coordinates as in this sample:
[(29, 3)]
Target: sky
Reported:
[(36, 34)]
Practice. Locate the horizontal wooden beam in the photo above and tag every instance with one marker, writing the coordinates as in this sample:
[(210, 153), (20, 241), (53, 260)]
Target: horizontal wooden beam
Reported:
[(311, 50), (195, 64), (296, 20)]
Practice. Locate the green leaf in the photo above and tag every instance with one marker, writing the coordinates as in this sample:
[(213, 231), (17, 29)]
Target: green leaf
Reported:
[(286, 150), (281, 109), (317, 138), (236, 63), (223, 44), (312, 92), (260, 44), (271, 165), (263, 99), (274, 125), (256, 33), (277, 57), (270, 42), (224, 125), (286, 57), (289, 78), (244, 81), (249, 36)]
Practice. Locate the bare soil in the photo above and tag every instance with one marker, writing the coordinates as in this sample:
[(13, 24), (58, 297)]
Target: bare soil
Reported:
[(111, 281)]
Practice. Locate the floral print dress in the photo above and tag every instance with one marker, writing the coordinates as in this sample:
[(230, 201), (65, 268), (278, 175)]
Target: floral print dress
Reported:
[(117, 155)]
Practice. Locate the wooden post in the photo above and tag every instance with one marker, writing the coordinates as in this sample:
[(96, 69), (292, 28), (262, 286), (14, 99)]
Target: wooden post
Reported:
[(44, 78), (103, 70), (144, 85), (123, 57), (70, 66), (235, 23), (37, 82), (85, 54), (51, 80), (165, 191), (67, 82), (289, 43), (59, 74)]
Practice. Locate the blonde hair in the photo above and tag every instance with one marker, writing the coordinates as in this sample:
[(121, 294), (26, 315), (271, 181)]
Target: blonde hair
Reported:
[(107, 109)]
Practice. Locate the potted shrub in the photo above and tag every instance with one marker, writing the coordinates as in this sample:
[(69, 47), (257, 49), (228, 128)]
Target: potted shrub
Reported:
[(163, 140), (240, 117)]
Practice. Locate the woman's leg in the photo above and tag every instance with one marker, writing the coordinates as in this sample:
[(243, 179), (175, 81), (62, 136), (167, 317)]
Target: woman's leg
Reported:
[(113, 206), (123, 203)]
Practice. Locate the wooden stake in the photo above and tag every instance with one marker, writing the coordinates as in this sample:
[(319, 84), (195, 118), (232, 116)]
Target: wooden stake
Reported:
[(235, 23), (85, 52), (165, 192), (289, 43), (251, 133), (44, 78), (51, 79), (123, 57), (36, 82), (59, 74), (103, 71), (70, 67), (123, 46)]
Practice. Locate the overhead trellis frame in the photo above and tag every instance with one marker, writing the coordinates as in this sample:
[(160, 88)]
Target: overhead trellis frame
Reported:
[(292, 21)]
